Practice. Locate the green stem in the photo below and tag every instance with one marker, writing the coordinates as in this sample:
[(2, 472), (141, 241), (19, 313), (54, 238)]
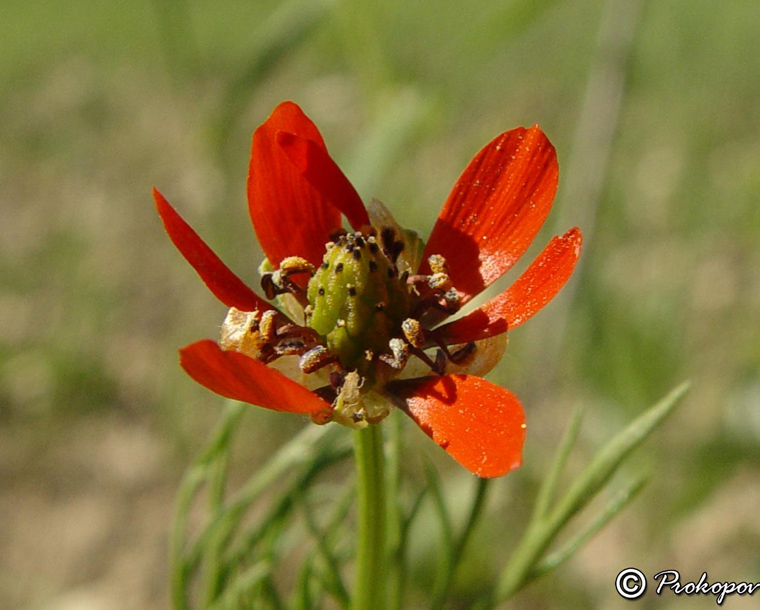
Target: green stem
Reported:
[(394, 525), (369, 591)]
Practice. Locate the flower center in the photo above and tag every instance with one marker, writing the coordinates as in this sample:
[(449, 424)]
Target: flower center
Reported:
[(357, 301), (362, 322)]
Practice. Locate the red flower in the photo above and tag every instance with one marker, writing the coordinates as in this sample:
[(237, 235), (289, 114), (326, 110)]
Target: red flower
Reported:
[(373, 297)]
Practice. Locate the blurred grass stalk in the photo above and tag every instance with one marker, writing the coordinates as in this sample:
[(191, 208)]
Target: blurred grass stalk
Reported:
[(276, 38), (214, 549), (586, 173)]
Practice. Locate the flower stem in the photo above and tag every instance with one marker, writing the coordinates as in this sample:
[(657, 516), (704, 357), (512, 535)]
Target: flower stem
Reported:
[(369, 591)]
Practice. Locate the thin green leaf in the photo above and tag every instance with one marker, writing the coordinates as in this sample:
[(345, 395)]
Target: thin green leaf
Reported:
[(398, 559), (541, 532), (270, 594), (443, 583), (250, 538), (313, 446), (606, 462), (241, 587), (330, 576), (302, 594), (615, 506), (414, 510), (548, 490), (446, 549), (180, 567), (439, 503)]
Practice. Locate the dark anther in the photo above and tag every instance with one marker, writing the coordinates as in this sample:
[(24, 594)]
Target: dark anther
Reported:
[(338, 234), (441, 304), (308, 335), (352, 291), (289, 347), (360, 241), (338, 267), (458, 356), (380, 306), (315, 358), (397, 249), (321, 291), (372, 266), (438, 366), (373, 247), (267, 285), (387, 236), (440, 363), (326, 393), (462, 353), (336, 379), (325, 265), (357, 254), (268, 355)]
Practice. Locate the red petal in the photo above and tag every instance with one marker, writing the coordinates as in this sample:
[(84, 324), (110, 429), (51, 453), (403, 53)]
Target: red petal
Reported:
[(318, 168), (290, 216), (533, 289), (239, 377), (495, 209), (481, 425), (226, 286)]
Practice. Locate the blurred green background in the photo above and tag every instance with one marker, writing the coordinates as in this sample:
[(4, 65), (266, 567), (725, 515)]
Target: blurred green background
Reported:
[(654, 108)]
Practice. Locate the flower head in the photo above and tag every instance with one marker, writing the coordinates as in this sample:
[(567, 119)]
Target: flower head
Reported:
[(357, 322)]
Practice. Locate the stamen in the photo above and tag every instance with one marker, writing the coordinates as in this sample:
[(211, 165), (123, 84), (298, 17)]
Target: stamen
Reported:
[(399, 354), (438, 366), (316, 358), (413, 332), (438, 264), (463, 353)]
